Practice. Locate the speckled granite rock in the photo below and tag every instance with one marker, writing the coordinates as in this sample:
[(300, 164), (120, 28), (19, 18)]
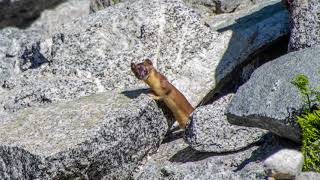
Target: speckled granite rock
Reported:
[(96, 5), (91, 54), (284, 164), (16, 163), (50, 20), (268, 100), (305, 23), (206, 7), (13, 41), (209, 7), (209, 130), (308, 176), (99, 136)]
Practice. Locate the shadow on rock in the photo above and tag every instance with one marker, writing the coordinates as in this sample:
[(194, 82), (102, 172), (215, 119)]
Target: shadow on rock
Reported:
[(190, 155), (173, 135), (132, 94), (32, 58), (253, 44), (271, 145), (267, 145)]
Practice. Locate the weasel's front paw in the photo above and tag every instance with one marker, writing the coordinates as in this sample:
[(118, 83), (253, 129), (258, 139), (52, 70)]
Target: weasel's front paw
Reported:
[(154, 96)]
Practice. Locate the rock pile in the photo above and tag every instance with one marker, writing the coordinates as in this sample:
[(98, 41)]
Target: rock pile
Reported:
[(71, 108)]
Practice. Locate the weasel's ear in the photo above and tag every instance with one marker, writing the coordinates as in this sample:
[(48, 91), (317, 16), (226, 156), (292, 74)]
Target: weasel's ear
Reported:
[(148, 61)]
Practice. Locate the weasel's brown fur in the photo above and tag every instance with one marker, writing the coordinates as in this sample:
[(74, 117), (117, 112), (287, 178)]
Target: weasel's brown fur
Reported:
[(163, 90)]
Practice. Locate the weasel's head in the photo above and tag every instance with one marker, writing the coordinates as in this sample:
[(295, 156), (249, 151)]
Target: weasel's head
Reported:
[(142, 70)]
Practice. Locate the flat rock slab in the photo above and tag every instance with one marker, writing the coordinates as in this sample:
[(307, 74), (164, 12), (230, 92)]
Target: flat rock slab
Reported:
[(209, 130), (97, 136), (269, 101)]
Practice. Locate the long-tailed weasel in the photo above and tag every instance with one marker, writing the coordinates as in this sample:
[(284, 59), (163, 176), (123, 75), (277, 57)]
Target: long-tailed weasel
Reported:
[(163, 90)]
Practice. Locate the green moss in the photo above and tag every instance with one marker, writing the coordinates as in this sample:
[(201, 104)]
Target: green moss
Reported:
[(302, 83), (310, 126)]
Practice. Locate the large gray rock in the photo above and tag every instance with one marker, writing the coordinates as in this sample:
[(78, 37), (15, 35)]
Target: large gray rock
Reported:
[(99, 136), (305, 26), (21, 13), (92, 54), (209, 130), (269, 101), (284, 164)]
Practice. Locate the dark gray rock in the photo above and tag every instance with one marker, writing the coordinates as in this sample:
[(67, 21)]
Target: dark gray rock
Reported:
[(21, 13), (99, 136), (305, 23), (269, 101), (209, 130), (16, 163)]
